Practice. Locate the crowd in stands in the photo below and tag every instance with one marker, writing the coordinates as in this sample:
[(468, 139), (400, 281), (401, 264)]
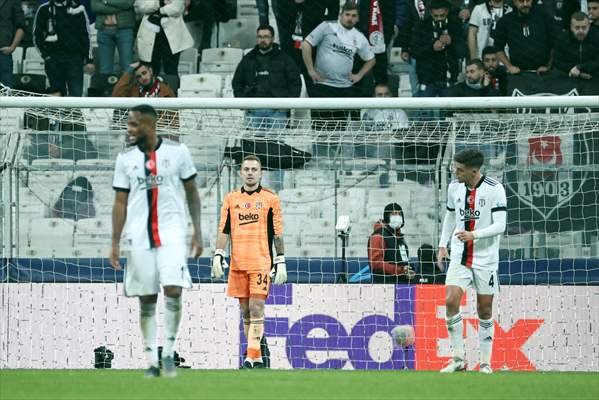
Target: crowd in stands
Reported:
[(450, 47)]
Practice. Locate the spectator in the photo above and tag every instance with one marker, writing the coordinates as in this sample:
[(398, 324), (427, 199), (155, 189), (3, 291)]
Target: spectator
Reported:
[(529, 34), (577, 51), (378, 25), (435, 43), (12, 30), (569, 7), (200, 18), (383, 119), (482, 23), (266, 71), (476, 84), (262, 6), (414, 11), (162, 35), (115, 20), (140, 81), (593, 6), (337, 44), (386, 118), (60, 33), (496, 72), (388, 252), (297, 18)]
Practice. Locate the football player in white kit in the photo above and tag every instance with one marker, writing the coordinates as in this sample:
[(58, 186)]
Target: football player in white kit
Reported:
[(474, 222), (149, 181)]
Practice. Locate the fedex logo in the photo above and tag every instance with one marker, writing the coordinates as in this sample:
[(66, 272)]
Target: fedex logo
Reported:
[(334, 338)]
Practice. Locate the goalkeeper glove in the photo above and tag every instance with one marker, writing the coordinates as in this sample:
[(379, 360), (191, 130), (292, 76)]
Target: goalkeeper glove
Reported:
[(279, 270), (219, 264)]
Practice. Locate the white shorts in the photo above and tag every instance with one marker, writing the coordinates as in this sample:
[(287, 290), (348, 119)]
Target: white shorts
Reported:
[(483, 281), (147, 269)]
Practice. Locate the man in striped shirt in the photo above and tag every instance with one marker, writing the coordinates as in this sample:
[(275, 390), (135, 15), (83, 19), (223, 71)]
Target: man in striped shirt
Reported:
[(149, 179), (251, 218), (475, 221)]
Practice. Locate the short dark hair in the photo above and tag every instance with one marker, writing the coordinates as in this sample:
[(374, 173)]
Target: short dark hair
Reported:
[(145, 110), (437, 4), (579, 16), (477, 62), (350, 5), (268, 28), (490, 50), (252, 157), (472, 158), (144, 64)]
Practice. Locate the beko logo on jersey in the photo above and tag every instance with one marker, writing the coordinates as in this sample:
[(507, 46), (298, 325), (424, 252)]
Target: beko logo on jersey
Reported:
[(248, 218), (150, 181), (469, 214)]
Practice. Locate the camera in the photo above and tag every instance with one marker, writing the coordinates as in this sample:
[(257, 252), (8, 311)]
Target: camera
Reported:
[(343, 225)]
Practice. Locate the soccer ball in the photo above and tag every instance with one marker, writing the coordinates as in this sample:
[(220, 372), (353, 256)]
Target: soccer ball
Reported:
[(403, 335)]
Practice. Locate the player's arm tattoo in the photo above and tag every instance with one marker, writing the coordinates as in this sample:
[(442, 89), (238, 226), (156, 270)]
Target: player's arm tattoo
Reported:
[(195, 208), (279, 246)]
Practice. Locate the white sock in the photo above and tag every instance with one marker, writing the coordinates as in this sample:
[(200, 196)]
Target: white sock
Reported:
[(172, 318), (147, 322), (486, 331), (455, 328)]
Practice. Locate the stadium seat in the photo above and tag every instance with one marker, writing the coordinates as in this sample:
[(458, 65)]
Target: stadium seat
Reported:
[(247, 8), (228, 86), (223, 55), (33, 63), (237, 33), (30, 82), (17, 59), (51, 237), (101, 85), (188, 62), (200, 85)]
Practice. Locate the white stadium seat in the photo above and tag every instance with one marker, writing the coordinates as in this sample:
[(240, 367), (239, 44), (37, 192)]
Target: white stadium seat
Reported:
[(200, 85)]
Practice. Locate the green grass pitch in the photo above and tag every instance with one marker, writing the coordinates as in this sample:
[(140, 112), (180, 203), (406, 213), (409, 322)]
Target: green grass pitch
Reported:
[(310, 385)]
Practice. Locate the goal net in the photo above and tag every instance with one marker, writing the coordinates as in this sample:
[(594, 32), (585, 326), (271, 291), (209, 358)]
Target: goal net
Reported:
[(60, 300)]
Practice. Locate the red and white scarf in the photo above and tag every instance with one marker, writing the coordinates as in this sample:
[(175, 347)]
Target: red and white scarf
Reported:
[(375, 28)]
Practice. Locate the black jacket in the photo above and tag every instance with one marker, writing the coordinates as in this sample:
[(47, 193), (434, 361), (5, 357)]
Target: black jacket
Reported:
[(11, 19), (530, 38), (463, 90), (313, 12), (70, 28), (569, 52), (432, 66), (273, 74)]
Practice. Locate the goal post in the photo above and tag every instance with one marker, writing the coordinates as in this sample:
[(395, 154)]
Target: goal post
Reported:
[(59, 298)]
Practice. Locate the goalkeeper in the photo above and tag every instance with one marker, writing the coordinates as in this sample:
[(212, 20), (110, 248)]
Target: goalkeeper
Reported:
[(251, 217)]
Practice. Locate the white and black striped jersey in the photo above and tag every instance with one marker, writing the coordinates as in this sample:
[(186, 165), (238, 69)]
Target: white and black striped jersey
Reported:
[(475, 209), (156, 204)]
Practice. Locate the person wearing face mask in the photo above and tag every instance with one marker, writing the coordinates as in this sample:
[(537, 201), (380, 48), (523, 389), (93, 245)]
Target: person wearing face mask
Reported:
[(388, 252), (476, 84)]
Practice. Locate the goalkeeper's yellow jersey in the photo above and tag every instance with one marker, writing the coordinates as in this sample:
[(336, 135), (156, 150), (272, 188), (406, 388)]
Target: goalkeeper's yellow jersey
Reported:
[(251, 219)]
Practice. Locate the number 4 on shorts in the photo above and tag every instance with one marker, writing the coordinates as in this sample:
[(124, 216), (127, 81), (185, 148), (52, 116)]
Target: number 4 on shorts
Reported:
[(492, 280)]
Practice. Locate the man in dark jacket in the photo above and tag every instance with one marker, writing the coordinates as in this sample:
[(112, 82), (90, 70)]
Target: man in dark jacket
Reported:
[(530, 34), (297, 18), (60, 33), (434, 45), (496, 72), (387, 250), (577, 51), (476, 84), (12, 30), (267, 71)]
